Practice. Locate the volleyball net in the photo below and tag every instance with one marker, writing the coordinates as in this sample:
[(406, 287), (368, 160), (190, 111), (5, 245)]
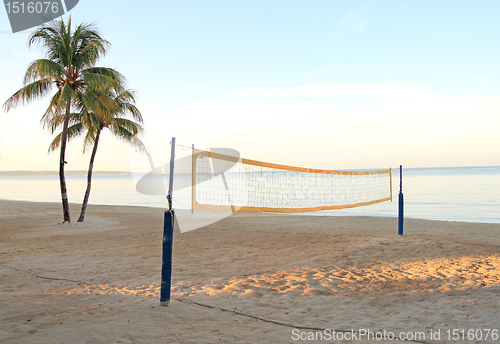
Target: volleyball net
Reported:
[(223, 182)]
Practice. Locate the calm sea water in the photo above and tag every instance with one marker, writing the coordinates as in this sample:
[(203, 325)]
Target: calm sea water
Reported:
[(457, 193)]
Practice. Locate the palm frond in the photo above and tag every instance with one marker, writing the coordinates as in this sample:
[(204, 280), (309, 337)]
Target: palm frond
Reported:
[(131, 109), (97, 104), (90, 46), (131, 126), (51, 38), (79, 48), (76, 117), (91, 52), (43, 69), (101, 78), (66, 95), (73, 131), (53, 116), (138, 144), (29, 93), (90, 137), (125, 133)]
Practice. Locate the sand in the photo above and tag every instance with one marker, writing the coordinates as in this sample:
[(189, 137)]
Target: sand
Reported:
[(268, 278)]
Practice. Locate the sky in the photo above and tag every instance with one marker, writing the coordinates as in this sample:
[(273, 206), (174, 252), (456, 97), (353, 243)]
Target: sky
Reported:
[(320, 84)]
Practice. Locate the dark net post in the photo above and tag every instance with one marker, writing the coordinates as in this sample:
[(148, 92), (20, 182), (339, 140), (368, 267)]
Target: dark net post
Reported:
[(401, 202), (166, 261), (168, 237)]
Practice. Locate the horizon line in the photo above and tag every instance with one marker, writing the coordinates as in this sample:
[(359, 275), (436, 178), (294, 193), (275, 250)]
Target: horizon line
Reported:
[(107, 172)]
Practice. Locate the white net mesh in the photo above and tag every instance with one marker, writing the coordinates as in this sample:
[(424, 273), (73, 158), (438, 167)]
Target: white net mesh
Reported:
[(223, 182)]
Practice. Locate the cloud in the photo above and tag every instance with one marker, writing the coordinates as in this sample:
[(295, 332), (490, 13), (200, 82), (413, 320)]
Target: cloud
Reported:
[(387, 91)]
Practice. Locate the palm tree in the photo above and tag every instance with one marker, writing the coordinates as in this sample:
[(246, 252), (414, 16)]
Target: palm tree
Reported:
[(99, 110), (69, 65)]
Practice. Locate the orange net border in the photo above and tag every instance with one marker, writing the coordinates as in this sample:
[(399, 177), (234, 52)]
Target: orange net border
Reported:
[(197, 206)]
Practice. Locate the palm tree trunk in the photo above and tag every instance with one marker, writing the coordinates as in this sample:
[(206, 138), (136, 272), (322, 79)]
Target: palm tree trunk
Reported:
[(62, 179), (89, 177)]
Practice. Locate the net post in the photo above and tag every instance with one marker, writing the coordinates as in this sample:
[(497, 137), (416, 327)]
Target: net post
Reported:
[(171, 175), (401, 202), (390, 180), (168, 237), (193, 178), (166, 261)]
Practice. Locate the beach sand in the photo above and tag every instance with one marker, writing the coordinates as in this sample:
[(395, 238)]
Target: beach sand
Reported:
[(264, 275)]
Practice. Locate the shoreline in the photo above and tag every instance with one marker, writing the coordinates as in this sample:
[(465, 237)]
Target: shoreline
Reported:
[(98, 281), (315, 214), (23, 174)]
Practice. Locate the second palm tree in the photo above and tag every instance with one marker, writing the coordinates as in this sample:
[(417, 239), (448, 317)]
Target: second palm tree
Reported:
[(100, 109)]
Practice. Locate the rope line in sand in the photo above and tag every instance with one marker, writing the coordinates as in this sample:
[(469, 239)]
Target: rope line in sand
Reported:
[(282, 323), (6, 252), (48, 278), (210, 306)]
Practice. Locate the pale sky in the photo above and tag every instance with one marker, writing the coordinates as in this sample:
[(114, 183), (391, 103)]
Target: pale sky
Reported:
[(321, 84)]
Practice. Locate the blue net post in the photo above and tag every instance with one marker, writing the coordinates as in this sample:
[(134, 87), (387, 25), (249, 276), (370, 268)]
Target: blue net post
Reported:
[(166, 261), (401, 202), (168, 237)]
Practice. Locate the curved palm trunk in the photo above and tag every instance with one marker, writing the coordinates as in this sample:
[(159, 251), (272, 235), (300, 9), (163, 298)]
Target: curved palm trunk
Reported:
[(62, 179), (89, 177)]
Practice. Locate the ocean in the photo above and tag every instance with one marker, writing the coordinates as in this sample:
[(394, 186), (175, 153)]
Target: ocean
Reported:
[(470, 194)]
